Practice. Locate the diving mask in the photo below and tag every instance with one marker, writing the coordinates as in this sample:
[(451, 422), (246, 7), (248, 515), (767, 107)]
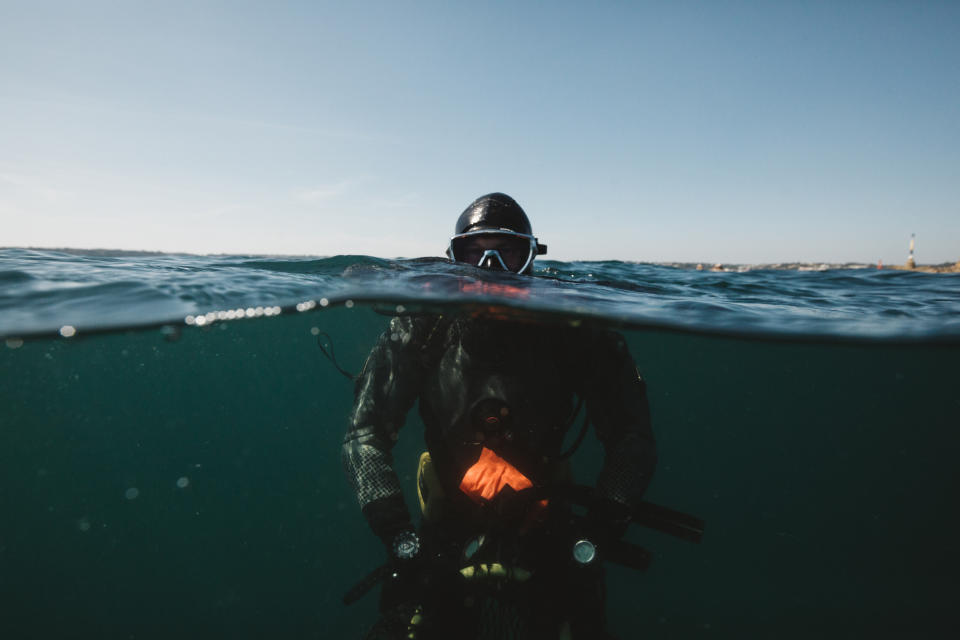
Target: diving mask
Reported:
[(496, 249)]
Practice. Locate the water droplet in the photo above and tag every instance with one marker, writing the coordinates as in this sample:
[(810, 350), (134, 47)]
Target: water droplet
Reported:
[(183, 482), (131, 493)]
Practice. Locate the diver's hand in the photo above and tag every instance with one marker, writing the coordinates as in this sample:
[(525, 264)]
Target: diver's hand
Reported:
[(609, 520), (403, 583)]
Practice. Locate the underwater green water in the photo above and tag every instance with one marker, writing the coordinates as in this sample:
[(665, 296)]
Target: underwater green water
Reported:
[(192, 488)]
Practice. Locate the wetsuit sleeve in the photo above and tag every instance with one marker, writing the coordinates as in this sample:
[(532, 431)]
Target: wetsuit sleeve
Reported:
[(386, 388), (616, 398)]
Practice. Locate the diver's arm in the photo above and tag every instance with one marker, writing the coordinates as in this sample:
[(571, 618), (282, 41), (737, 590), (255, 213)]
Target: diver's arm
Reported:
[(386, 389), (617, 402)]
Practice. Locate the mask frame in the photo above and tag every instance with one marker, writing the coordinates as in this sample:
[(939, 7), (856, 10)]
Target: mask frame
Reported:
[(536, 249)]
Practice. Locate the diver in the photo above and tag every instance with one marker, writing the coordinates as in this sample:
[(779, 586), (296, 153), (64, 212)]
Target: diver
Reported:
[(496, 395)]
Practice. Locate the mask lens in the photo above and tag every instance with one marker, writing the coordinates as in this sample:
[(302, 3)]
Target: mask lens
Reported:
[(513, 250), (467, 250)]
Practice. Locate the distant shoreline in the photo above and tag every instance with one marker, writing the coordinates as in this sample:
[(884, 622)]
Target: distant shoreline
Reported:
[(944, 267), (930, 268)]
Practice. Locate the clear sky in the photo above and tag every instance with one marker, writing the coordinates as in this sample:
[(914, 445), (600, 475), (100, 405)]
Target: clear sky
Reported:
[(693, 131)]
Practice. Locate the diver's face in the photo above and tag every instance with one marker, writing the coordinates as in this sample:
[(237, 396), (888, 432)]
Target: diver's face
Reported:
[(482, 250)]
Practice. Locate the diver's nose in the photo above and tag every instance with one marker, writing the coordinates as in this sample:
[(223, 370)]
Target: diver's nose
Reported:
[(491, 262)]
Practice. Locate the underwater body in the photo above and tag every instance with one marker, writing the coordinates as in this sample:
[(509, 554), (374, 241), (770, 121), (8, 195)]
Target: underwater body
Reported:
[(170, 432)]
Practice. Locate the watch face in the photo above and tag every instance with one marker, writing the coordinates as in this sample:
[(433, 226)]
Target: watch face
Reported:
[(584, 552), (406, 545)]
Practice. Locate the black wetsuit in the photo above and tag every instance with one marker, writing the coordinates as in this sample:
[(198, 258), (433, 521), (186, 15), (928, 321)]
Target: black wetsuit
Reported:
[(527, 373)]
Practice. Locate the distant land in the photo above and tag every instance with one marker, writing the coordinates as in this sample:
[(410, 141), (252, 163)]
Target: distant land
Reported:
[(945, 267)]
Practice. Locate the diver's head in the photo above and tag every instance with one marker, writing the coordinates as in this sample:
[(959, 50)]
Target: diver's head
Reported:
[(494, 233)]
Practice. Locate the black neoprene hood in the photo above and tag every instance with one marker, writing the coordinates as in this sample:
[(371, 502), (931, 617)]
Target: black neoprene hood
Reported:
[(493, 211)]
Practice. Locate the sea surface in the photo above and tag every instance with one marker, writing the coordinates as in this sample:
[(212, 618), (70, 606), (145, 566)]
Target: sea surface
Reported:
[(170, 431)]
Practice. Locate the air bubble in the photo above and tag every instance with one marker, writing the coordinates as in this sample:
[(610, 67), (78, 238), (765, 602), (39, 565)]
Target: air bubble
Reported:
[(14, 343), (348, 304), (314, 331), (68, 331), (183, 482), (131, 493), (324, 302)]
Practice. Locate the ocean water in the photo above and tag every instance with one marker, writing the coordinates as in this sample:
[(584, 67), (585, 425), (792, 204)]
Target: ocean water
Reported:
[(170, 433)]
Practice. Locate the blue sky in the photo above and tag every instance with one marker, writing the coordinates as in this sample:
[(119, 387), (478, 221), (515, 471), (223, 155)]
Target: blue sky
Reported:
[(691, 131)]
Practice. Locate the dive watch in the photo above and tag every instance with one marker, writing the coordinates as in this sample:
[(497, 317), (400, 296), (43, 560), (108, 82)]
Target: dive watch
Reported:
[(406, 545)]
